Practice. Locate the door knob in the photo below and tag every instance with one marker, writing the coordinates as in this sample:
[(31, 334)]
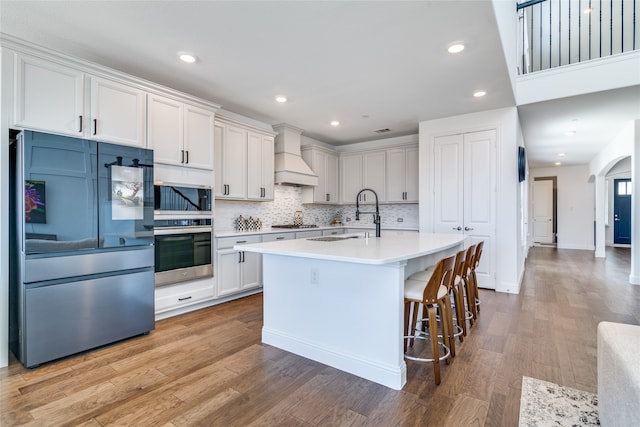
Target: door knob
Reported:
[(468, 228), (457, 228)]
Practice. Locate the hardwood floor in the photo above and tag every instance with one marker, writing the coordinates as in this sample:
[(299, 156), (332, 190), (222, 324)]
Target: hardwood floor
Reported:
[(209, 367)]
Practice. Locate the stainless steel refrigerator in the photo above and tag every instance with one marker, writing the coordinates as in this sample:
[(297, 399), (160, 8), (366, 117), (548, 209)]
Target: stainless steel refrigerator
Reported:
[(82, 258)]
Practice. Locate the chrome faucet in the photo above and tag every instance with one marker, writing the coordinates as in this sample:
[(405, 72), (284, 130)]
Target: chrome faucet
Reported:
[(376, 214)]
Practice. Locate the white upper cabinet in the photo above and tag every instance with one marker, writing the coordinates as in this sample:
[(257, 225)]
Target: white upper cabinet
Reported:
[(325, 164), (198, 137), (118, 113), (402, 175), (260, 166), (244, 162), (48, 97), (180, 133), (52, 98), (351, 180), (363, 170), (231, 162)]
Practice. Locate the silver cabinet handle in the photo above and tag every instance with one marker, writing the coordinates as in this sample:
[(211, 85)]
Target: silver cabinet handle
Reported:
[(468, 228), (279, 238), (457, 228)]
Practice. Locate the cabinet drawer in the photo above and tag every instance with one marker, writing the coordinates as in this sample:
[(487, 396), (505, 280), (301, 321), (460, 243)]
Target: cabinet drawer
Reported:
[(175, 296), (230, 242), (333, 232), (278, 236)]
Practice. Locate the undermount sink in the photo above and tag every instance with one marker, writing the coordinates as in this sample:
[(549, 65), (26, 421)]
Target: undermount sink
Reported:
[(332, 238)]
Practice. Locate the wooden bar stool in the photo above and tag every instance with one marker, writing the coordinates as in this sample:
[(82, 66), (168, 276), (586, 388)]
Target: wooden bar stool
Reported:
[(474, 277), (429, 294), (469, 289)]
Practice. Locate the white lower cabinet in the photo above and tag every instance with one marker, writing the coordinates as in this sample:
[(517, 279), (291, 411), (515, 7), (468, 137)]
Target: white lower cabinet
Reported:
[(237, 271), (182, 294)]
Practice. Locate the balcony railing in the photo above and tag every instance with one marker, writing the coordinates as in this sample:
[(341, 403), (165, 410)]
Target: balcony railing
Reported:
[(561, 32)]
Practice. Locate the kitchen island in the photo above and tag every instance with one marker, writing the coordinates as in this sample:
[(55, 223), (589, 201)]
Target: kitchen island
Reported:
[(339, 301)]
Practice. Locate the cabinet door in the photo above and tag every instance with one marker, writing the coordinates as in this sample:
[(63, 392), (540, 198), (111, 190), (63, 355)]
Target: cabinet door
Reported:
[(268, 166), (319, 162), (260, 166), (118, 113), (251, 271), (198, 137), (165, 127), (448, 202), (48, 97), (412, 175), (228, 272), (331, 175), (351, 177), (374, 173), (234, 157), (218, 143), (396, 159), (254, 166)]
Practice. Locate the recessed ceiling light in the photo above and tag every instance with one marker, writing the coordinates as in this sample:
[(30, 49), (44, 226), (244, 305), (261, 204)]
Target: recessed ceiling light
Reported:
[(479, 93), (187, 57), (335, 123), (570, 132), (281, 98), (561, 154), (558, 163), (456, 48)]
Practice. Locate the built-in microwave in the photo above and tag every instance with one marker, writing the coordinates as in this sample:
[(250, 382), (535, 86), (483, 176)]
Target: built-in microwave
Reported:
[(180, 199)]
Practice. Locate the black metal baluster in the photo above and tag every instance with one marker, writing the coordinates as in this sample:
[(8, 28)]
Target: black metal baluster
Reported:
[(569, 33), (559, 33), (590, 13), (610, 27), (600, 11), (541, 67), (550, 34), (621, 26), (579, 30)]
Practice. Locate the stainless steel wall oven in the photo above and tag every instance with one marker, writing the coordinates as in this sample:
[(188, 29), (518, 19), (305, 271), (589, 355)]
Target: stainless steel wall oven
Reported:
[(182, 250)]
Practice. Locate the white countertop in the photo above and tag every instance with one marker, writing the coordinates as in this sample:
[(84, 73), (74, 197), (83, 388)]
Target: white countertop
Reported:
[(391, 247)]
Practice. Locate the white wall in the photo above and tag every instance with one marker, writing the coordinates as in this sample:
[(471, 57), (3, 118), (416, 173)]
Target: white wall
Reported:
[(575, 205), (5, 97), (509, 249)]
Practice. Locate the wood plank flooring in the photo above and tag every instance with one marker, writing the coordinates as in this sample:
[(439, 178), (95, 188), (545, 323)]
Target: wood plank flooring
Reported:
[(209, 367)]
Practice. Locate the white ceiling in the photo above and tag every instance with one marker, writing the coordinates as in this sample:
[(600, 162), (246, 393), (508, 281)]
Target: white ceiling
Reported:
[(369, 64)]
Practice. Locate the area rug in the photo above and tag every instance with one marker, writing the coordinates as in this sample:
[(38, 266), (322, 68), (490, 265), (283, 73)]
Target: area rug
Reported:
[(545, 404)]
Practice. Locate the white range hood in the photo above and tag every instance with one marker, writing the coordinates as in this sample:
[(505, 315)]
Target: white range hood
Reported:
[(290, 168)]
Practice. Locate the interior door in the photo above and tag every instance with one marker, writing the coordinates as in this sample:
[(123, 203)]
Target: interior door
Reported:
[(622, 211), (543, 211), (465, 197)]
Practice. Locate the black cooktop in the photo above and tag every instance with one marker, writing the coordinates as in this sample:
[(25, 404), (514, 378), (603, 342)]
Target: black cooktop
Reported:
[(294, 226)]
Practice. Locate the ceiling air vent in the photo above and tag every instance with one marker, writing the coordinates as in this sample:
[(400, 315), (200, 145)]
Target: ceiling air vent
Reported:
[(385, 130)]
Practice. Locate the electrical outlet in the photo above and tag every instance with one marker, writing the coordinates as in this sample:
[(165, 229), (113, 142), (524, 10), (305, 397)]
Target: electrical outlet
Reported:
[(315, 276), (348, 219), (400, 219)]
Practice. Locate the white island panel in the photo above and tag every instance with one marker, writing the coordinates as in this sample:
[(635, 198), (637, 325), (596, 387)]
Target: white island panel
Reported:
[(341, 314)]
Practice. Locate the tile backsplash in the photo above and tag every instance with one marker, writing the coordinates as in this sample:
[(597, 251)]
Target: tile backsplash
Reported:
[(288, 200)]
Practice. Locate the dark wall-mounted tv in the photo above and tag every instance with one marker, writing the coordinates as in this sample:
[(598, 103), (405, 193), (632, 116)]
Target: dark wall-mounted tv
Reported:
[(522, 163)]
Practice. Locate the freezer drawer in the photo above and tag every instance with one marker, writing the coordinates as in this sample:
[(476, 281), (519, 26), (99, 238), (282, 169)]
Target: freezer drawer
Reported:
[(68, 318)]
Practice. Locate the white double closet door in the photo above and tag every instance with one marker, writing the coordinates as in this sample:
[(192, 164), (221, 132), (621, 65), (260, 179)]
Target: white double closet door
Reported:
[(465, 193)]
